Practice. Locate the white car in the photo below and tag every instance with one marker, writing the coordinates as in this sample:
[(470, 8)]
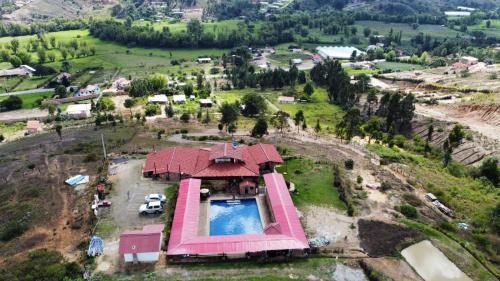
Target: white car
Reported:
[(155, 197), (154, 207)]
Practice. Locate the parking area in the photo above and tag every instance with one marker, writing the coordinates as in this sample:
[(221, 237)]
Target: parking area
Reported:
[(129, 190)]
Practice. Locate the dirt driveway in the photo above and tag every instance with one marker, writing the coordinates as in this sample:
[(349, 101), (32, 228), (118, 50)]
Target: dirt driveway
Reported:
[(129, 190)]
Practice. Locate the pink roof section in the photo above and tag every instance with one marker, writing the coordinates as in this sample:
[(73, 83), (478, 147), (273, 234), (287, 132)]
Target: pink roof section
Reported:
[(199, 162), (33, 124), (286, 233), (146, 240)]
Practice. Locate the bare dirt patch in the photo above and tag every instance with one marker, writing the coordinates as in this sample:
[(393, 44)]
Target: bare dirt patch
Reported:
[(380, 238)]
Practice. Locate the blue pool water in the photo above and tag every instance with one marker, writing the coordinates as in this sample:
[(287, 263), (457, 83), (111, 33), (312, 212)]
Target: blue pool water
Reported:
[(228, 218)]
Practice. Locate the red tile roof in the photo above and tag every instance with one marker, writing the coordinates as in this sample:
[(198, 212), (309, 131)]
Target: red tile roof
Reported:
[(285, 233), (199, 162), (146, 240), (248, 183)]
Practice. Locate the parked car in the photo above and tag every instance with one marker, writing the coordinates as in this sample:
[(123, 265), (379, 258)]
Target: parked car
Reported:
[(155, 197), (154, 207)]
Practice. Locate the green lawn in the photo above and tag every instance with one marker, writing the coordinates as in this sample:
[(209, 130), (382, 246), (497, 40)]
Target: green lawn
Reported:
[(313, 182), (352, 71), (318, 109), (9, 129), (398, 66), (9, 84), (30, 100)]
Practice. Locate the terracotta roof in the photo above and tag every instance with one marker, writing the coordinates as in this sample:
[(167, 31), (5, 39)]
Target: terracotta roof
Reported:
[(199, 162), (224, 150), (248, 183), (146, 240), (285, 233)]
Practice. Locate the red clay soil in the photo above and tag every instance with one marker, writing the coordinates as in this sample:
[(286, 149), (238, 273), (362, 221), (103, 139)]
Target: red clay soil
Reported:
[(380, 238)]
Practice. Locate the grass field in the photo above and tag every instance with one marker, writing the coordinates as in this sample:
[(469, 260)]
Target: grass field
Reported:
[(313, 182), (318, 109), (493, 30), (30, 100), (398, 66), (10, 129)]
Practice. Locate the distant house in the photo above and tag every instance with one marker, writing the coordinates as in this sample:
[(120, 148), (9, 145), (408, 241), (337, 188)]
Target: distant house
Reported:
[(316, 58), (204, 60), (179, 99), (23, 70), (296, 61), (89, 90), (205, 103), (60, 78), (142, 245), (78, 111), (158, 99), (285, 99), (121, 84), (468, 60), (33, 127), (295, 50)]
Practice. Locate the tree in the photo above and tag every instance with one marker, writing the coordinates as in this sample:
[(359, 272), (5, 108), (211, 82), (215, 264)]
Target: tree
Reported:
[(60, 91), (14, 45), (64, 53), (304, 124), (367, 31), (308, 89), (490, 170), (229, 114), (207, 118), (409, 211), (302, 77), (349, 125), (152, 109), (298, 118), (456, 136), (374, 128), (59, 130), (253, 104), (2, 138), (371, 100), (488, 23), (185, 117), (280, 120), (51, 56), (15, 61), (52, 109), (129, 103), (169, 111), (42, 56), (188, 89), (11, 103), (260, 127), (317, 128), (52, 40), (65, 66)]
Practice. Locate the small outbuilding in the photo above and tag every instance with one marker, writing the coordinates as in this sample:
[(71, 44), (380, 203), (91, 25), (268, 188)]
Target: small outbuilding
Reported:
[(79, 111), (158, 99), (296, 61), (33, 127), (248, 188), (468, 60), (285, 99), (204, 60), (205, 103), (178, 99), (142, 245)]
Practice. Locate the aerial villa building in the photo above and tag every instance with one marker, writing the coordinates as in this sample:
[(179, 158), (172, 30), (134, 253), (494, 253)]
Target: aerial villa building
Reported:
[(248, 211)]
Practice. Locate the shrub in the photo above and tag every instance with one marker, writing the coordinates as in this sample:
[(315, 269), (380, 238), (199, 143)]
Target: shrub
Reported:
[(359, 179), (409, 211), (456, 169), (185, 117), (349, 164), (447, 226), (12, 230), (385, 186), (91, 157), (152, 109), (184, 131), (400, 141)]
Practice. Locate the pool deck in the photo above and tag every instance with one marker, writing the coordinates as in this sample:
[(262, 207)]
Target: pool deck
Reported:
[(204, 218)]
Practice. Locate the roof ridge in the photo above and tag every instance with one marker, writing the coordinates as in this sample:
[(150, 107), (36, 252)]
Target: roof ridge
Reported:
[(263, 150)]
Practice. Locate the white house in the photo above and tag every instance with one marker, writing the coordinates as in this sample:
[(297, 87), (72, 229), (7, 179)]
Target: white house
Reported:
[(468, 60), (296, 61), (33, 127), (158, 99), (142, 245), (285, 99), (78, 111), (204, 60), (179, 98), (89, 90), (23, 70), (205, 103)]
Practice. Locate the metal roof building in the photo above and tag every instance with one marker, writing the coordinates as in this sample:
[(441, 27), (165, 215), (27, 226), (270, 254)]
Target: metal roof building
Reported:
[(337, 52)]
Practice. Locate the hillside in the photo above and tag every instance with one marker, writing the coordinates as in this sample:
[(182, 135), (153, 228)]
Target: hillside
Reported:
[(31, 10)]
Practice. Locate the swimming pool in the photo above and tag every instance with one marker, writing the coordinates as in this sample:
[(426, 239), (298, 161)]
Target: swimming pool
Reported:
[(233, 217)]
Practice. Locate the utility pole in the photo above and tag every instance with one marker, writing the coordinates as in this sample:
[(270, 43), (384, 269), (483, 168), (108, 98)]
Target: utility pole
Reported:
[(103, 146)]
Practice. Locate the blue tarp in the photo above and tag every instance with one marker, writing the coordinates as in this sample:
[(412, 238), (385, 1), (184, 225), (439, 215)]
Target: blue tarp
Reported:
[(95, 247), (76, 180)]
